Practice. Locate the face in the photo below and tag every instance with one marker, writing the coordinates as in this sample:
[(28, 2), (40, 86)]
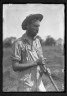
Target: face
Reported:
[(34, 28)]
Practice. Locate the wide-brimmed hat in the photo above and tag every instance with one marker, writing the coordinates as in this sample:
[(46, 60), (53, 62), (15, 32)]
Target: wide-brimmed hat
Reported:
[(29, 19)]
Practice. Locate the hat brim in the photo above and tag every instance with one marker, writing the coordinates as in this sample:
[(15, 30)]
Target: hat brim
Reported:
[(30, 18)]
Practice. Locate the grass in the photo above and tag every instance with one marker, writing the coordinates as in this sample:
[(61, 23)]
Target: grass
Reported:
[(55, 61)]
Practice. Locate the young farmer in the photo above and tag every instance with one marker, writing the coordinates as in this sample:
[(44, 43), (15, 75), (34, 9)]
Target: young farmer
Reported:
[(27, 54)]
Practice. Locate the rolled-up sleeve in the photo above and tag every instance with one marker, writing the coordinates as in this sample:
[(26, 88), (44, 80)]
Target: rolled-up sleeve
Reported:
[(16, 52)]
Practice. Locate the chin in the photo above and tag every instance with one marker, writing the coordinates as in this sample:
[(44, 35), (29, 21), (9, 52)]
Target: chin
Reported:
[(34, 35)]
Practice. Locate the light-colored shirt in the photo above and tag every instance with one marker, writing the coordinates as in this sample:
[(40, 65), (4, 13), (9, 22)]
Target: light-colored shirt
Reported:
[(25, 51)]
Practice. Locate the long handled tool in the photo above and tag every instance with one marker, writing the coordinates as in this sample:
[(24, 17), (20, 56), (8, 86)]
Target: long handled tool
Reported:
[(50, 77), (42, 66)]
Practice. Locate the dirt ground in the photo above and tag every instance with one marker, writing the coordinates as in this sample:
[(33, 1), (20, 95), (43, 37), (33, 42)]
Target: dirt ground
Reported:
[(54, 61)]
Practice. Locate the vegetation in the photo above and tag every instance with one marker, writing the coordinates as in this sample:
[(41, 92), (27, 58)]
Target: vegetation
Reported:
[(8, 42), (50, 41), (55, 61)]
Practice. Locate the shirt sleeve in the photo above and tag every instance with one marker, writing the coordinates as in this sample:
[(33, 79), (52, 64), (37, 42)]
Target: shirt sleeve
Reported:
[(17, 51)]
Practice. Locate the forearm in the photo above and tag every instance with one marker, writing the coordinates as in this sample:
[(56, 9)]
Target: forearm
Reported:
[(22, 66)]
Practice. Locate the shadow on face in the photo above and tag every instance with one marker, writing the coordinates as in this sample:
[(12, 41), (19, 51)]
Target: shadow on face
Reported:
[(33, 28)]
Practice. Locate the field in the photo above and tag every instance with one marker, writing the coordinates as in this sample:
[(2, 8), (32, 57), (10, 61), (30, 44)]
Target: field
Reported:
[(55, 61)]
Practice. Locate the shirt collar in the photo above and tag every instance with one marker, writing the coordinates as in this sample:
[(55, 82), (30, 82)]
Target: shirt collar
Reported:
[(25, 37)]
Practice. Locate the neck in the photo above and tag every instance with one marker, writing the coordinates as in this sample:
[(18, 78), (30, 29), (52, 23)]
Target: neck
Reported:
[(29, 35)]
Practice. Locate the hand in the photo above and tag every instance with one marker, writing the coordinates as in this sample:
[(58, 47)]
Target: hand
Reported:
[(43, 60), (39, 61), (48, 70)]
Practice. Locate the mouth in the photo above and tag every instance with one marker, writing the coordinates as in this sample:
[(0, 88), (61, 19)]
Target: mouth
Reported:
[(34, 33)]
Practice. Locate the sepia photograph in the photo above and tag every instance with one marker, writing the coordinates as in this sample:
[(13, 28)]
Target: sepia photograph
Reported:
[(33, 47)]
